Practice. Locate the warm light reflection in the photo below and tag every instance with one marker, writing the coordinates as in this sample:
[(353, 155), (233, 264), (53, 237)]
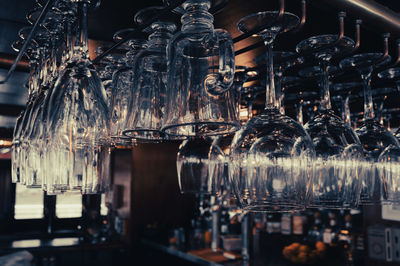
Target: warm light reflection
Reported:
[(67, 241), (31, 243)]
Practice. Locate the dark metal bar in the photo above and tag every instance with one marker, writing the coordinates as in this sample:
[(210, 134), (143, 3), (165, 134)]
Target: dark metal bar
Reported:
[(369, 11), (249, 48), (137, 30), (42, 15)]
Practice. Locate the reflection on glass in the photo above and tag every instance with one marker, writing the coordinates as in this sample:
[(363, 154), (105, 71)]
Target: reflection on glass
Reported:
[(28, 203), (103, 206), (69, 205)]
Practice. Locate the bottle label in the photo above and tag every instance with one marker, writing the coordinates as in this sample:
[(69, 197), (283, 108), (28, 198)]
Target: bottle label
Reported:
[(297, 225), (285, 225), (327, 236), (269, 228), (276, 227)]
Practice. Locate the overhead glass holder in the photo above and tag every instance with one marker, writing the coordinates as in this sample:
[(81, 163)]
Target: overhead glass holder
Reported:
[(21, 52)]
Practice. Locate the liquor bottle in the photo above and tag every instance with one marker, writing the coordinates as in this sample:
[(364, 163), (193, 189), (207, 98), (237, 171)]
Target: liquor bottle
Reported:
[(315, 232), (299, 226), (330, 231), (224, 229), (286, 224)]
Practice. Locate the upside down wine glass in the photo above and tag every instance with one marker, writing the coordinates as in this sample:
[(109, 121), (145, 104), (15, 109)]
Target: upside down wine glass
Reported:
[(270, 154), (336, 180), (343, 90), (373, 136), (33, 55), (121, 93), (77, 122), (34, 170), (148, 102)]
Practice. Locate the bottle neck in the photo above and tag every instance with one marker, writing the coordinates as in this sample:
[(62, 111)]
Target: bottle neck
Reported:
[(197, 18)]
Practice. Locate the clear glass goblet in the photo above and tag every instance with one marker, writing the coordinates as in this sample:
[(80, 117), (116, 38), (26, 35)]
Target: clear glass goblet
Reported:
[(271, 152), (77, 139), (338, 149), (373, 136)]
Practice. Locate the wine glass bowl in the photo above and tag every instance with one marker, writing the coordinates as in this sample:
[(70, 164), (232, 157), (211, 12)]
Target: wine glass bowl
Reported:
[(271, 152), (195, 174), (336, 185)]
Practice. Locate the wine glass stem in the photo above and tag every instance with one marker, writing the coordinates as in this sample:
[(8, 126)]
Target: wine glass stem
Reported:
[(325, 103), (300, 114), (81, 41), (69, 41), (250, 109), (270, 83), (368, 103), (33, 77), (347, 118), (279, 98)]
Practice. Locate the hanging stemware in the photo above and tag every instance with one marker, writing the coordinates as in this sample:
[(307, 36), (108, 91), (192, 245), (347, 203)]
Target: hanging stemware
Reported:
[(373, 136), (33, 55), (338, 149), (122, 92), (78, 122), (148, 104), (270, 154)]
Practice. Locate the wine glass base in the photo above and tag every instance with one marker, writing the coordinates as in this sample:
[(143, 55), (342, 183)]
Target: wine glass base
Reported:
[(272, 207), (345, 88), (274, 24), (144, 134), (364, 60), (391, 73), (314, 71), (200, 129), (324, 43), (330, 205)]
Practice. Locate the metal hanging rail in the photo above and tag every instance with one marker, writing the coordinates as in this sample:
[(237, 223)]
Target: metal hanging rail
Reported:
[(21, 52)]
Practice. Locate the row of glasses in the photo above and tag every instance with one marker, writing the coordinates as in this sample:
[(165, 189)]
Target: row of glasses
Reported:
[(338, 149), (270, 153), (121, 89), (149, 89), (373, 136), (77, 120), (64, 132), (339, 178)]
